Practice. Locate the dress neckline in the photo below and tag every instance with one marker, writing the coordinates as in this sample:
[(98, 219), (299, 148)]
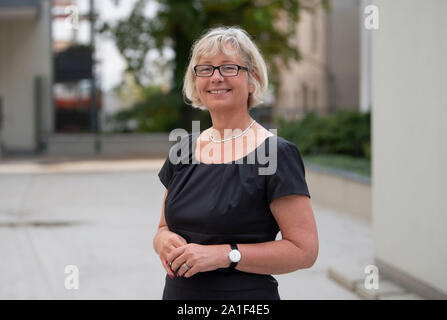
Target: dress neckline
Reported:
[(194, 144)]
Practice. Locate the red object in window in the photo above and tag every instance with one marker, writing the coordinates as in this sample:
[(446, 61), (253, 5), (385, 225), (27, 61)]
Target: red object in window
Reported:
[(70, 103)]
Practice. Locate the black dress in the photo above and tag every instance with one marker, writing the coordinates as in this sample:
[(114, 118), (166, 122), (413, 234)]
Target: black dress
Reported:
[(228, 203)]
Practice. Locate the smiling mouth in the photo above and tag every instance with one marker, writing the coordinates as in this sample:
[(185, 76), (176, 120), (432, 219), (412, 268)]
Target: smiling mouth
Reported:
[(219, 91)]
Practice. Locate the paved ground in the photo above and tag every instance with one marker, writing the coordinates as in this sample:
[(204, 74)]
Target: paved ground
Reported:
[(102, 215)]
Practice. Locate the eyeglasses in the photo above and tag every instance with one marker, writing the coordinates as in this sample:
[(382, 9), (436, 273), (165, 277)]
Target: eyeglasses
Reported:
[(225, 70)]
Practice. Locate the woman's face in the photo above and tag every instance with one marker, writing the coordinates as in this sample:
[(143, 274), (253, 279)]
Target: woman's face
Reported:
[(236, 88)]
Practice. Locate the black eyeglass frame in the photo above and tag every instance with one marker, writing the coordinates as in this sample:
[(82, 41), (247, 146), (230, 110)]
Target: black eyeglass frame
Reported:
[(218, 68)]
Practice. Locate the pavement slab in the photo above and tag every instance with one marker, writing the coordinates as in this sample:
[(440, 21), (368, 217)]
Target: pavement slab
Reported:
[(102, 219)]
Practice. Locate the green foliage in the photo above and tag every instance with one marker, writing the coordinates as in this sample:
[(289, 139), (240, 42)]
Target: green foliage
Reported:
[(259, 18), (132, 38), (344, 132), (359, 166), (156, 112), (178, 23)]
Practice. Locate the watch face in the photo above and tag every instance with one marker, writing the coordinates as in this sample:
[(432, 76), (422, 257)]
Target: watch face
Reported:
[(235, 256)]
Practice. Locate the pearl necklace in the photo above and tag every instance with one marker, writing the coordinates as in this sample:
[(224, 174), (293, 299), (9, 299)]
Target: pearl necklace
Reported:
[(233, 137)]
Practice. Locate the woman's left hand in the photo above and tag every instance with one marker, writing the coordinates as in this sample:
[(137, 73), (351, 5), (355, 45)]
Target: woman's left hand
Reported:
[(199, 258)]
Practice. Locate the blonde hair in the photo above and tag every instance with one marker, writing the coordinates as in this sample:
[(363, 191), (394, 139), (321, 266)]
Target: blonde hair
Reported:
[(213, 42)]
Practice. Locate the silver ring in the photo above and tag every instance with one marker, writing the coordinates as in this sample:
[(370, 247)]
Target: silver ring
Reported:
[(187, 267)]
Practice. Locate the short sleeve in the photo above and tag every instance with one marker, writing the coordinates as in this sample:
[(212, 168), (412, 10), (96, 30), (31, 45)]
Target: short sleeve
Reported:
[(289, 177), (166, 172), (178, 153)]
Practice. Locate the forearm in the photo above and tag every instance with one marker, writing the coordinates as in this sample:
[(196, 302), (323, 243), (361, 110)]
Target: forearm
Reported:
[(273, 257)]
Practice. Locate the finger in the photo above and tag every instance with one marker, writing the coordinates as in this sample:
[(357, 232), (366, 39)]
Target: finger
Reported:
[(181, 270), (178, 263), (178, 241), (189, 273), (183, 240), (169, 272), (173, 257), (167, 268), (167, 249)]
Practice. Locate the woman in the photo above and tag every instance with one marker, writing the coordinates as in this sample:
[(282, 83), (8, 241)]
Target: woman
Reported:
[(217, 234)]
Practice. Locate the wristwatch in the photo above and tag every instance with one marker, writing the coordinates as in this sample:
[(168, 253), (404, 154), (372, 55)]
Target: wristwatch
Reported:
[(235, 256)]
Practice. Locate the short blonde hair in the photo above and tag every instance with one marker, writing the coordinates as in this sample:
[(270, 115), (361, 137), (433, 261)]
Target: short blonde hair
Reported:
[(213, 42)]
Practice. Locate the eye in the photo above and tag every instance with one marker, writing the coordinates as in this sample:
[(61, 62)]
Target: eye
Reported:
[(229, 68), (204, 69)]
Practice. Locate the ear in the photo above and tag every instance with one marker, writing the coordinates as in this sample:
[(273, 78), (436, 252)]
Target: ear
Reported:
[(251, 87)]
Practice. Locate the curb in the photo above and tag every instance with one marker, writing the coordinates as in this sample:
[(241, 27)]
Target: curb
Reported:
[(354, 282)]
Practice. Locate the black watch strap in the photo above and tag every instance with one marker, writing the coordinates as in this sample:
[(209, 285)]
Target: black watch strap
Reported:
[(233, 264)]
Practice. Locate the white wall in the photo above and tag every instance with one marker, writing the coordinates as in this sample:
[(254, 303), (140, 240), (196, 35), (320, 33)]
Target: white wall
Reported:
[(409, 138), (25, 53)]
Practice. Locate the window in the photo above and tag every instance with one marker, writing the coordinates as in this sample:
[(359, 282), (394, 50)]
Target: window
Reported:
[(305, 97), (314, 31)]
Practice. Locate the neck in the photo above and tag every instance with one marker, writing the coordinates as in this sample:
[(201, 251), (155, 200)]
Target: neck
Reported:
[(225, 123)]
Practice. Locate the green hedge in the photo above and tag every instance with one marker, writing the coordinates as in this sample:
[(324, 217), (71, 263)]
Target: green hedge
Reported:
[(343, 132), (156, 112)]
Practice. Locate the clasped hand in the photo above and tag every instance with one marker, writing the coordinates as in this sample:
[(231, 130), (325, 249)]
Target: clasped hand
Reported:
[(189, 259)]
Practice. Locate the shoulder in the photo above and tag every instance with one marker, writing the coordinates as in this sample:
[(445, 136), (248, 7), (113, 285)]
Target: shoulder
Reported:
[(285, 153), (284, 142), (282, 145), (186, 139), (180, 150)]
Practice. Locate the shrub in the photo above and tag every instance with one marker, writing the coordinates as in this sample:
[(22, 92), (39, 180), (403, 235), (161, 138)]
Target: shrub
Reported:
[(158, 111), (344, 132)]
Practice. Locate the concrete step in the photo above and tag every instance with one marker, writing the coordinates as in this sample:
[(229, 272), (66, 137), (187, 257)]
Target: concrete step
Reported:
[(346, 278), (386, 289), (353, 279)]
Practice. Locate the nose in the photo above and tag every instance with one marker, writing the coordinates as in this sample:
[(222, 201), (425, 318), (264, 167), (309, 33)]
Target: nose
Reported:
[(216, 76)]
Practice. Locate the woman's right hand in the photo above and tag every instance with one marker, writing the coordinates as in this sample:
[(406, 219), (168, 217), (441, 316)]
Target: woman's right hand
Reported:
[(168, 241)]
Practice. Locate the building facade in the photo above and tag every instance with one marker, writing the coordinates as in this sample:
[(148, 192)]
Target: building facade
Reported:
[(327, 76), (25, 74)]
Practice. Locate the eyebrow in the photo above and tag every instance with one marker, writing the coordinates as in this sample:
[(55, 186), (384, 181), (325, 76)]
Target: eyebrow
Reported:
[(224, 61)]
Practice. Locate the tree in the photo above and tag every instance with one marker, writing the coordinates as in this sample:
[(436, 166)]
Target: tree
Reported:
[(132, 37), (178, 23)]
